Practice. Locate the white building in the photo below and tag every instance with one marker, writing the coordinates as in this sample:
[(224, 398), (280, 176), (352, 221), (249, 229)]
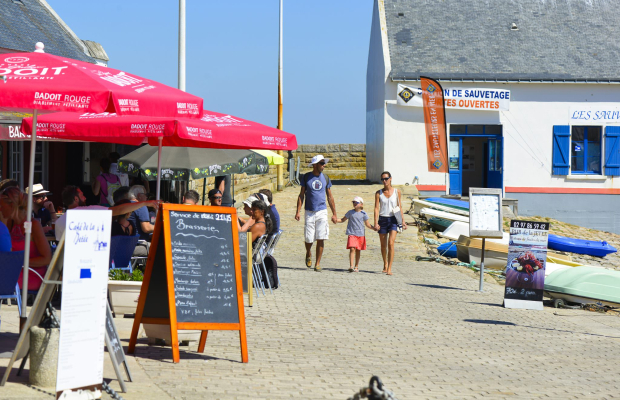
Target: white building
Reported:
[(556, 148)]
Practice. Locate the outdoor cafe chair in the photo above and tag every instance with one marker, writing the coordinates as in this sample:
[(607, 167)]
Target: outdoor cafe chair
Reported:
[(271, 246), (11, 263), (260, 260), (257, 260), (121, 251), (135, 260)]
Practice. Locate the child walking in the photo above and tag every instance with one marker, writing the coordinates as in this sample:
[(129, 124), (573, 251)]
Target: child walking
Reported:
[(356, 241)]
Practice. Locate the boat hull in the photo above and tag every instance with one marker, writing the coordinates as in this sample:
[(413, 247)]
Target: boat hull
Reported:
[(448, 250), (579, 246), (585, 284), (439, 224)]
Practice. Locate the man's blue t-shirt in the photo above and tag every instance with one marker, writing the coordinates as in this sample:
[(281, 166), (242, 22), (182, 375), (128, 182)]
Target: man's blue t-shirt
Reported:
[(5, 238), (315, 191), (139, 216)]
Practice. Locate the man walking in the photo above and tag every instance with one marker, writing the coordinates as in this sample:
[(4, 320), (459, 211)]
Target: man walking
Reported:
[(315, 189)]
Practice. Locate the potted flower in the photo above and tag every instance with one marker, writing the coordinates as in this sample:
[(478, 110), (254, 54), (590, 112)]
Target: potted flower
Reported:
[(124, 290)]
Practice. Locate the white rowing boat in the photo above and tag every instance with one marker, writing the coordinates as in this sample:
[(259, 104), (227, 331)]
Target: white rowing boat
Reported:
[(418, 205), (429, 212)]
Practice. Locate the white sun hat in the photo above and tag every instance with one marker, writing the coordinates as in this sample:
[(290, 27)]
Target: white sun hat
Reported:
[(318, 158), (358, 199)]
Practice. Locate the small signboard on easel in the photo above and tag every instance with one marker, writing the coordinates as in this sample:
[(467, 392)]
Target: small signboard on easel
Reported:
[(193, 275), (485, 218)]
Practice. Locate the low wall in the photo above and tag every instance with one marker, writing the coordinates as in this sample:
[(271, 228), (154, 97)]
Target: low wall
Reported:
[(346, 161)]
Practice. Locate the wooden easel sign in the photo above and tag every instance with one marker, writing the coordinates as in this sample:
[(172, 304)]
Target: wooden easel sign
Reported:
[(193, 275)]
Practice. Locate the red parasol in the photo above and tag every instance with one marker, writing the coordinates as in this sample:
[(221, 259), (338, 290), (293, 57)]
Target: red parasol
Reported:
[(39, 81), (213, 130)]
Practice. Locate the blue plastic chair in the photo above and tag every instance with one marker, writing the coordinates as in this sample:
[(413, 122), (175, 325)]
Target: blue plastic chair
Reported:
[(11, 263), (121, 250)]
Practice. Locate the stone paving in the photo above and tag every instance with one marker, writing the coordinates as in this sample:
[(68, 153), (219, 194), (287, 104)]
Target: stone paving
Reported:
[(425, 331)]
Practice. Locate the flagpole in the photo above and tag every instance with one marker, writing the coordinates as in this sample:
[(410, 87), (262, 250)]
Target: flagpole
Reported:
[(182, 45), (279, 167)]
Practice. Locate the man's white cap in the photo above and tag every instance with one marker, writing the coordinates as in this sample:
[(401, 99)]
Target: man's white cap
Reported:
[(358, 199), (318, 158)]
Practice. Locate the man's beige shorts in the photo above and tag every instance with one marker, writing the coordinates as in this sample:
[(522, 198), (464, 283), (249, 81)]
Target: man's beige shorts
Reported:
[(316, 226)]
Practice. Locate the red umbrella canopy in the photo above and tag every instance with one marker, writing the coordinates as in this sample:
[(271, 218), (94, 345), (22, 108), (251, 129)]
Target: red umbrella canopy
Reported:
[(47, 82), (213, 130)]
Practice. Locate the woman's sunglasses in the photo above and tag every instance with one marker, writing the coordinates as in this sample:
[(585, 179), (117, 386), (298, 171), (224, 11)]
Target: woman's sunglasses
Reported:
[(321, 163), (385, 179)]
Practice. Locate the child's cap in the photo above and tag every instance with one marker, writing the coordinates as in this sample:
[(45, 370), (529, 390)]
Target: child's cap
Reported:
[(358, 199)]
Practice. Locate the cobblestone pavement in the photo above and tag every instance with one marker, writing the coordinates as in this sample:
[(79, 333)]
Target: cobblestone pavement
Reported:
[(425, 331)]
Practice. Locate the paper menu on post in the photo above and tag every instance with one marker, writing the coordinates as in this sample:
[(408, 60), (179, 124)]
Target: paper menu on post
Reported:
[(84, 299), (484, 213)]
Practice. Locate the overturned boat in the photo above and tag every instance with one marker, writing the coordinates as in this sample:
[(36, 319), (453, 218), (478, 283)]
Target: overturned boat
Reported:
[(584, 285)]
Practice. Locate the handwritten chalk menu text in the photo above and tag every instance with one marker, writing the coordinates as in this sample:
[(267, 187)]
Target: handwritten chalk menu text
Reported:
[(193, 277), (203, 267)]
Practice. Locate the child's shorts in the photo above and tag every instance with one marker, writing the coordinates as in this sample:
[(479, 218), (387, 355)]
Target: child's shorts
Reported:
[(356, 242)]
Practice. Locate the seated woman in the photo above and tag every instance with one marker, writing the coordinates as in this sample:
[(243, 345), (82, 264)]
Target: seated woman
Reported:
[(13, 204), (244, 225), (262, 222), (121, 225)]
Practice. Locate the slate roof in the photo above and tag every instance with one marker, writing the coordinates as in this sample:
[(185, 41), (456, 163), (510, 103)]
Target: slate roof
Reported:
[(472, 40), (26, 22)]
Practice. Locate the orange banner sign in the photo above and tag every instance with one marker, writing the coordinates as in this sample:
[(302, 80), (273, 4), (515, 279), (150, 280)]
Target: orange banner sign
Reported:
[(435, 123)]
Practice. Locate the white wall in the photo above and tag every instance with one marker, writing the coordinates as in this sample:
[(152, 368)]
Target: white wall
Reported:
[(527, 128), (376, 78)]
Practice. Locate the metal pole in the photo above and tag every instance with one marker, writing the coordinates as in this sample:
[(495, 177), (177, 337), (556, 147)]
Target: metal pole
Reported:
[(182, 45), (159, 167), (279, 167), (482, 266), (28, 223), (204, 189)]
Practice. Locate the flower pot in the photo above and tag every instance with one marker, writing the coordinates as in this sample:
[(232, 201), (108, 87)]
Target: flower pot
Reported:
[(154, 331), (124, 296)]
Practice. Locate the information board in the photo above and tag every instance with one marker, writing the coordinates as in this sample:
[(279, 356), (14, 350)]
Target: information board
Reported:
[(485, 213), (84, 299), (193, 274), (525, 271)]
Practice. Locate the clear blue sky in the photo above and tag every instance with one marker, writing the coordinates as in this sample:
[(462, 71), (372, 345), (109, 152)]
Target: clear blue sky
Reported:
[(232, 56)]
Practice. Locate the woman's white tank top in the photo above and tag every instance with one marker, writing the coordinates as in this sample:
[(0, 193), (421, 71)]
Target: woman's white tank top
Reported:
[(388, 203)]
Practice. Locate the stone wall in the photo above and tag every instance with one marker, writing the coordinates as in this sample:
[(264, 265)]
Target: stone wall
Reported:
[(244, 185), (346, 161)]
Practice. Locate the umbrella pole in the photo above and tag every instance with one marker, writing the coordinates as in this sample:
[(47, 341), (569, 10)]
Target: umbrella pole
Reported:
[(159, 167), (204, 190), (28, 223)]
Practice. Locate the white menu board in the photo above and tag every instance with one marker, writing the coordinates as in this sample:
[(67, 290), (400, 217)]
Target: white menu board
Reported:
[(84, 292), (485, 212)]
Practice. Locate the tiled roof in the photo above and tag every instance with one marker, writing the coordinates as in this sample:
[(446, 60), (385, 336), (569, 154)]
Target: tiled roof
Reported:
[(26, 22), (554, 40)]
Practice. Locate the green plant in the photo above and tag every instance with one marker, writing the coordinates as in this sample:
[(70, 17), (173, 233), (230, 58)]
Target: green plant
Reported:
[(120, 275)]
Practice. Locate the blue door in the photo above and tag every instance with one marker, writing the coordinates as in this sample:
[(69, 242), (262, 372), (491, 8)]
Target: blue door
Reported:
[(495, 162), (456, 170)]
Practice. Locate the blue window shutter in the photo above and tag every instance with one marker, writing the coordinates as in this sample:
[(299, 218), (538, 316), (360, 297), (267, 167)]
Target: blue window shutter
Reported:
[(561, 149), (612, 151)]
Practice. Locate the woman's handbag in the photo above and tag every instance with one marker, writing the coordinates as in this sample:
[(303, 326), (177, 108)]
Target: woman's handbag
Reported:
[(397, 214)]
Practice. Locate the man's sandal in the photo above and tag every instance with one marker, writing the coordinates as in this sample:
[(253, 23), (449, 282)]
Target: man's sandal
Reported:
[(309, 262)]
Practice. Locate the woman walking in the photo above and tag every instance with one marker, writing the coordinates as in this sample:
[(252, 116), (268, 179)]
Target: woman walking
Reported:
[(387, 200)]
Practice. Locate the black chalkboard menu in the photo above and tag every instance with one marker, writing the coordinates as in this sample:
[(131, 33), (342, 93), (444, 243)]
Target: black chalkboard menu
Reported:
[(193, 274), (204, 267)]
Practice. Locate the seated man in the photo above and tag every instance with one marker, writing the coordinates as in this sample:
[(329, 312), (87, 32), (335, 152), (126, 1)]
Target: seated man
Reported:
[(74, 199), (42, 208), (275, 214), (215, 197), (191, 198), (140, 217)]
